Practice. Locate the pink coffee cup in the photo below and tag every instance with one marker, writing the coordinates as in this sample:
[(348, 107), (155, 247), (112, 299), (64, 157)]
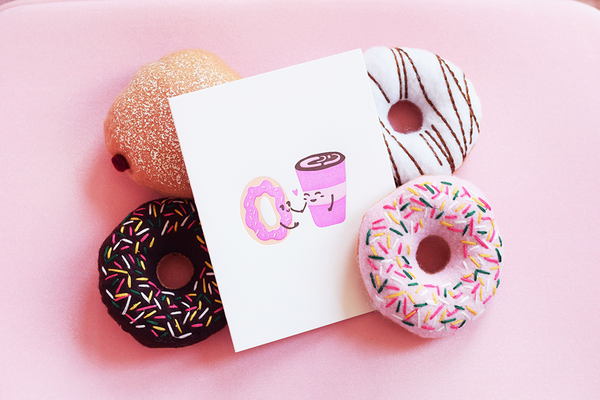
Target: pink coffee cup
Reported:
[(323, 180)]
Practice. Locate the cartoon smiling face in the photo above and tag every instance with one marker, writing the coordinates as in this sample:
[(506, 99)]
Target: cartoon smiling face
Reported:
[(314, 196), (327, 205), (323, 197)]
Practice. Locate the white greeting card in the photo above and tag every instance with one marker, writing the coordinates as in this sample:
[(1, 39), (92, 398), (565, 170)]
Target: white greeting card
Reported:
[(283, 166)]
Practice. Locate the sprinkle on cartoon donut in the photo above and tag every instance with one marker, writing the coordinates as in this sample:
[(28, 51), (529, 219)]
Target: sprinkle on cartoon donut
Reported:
[(430, 255), (255, 193), (414, 79)]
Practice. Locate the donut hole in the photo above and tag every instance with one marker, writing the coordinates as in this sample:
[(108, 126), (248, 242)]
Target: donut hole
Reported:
[(266, 205), (405, 117), (174, 271), (433, 254)]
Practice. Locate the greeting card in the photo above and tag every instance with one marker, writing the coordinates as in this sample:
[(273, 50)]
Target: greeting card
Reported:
[(283, 166)]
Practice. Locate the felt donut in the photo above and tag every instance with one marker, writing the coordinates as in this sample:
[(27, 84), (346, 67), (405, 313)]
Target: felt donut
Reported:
[(139, 129), (430, 255), (428, 111), (128, 262), (257, 191)]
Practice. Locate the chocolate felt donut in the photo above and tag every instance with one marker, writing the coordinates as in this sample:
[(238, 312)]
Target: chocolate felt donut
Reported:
[(129, 263)]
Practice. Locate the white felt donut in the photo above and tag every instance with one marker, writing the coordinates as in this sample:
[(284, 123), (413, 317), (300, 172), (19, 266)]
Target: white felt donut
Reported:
[(450, 109), (430, 255)]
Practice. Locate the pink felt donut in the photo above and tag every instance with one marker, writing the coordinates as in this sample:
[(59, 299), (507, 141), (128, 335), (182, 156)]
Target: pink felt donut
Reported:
[(256, 225), (430, 255)]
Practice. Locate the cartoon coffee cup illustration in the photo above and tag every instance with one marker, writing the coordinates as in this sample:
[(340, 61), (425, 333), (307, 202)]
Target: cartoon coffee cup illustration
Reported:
[(323, 181)]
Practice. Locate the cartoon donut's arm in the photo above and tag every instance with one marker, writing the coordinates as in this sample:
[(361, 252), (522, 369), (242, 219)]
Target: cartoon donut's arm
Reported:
[(290, 227)]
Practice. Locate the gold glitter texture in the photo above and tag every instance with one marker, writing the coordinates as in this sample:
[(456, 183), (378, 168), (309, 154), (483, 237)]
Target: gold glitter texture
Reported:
[(139, 124)]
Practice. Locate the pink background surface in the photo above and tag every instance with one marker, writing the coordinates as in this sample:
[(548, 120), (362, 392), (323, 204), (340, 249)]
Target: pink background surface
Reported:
[(536, 71)]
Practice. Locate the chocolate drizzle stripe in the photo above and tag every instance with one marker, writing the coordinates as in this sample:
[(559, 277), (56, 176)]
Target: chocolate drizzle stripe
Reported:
[(379, 86), (458, 117), (431, 148), (445, 64), (431, 103), (403, 148), (473, 117), (399, 74), (396, 173), (404, 71), (445, 151), (466, 97)]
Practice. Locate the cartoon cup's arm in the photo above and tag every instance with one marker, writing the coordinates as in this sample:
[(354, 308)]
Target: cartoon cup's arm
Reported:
[(290, 208), (332, 201)]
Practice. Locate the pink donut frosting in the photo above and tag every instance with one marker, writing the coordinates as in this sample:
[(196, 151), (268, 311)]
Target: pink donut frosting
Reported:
[(430, 255)]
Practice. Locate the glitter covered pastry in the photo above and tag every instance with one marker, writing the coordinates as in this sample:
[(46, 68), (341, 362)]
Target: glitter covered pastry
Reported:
[(442, 105), (129, 265), (139, 129), (430, 255)]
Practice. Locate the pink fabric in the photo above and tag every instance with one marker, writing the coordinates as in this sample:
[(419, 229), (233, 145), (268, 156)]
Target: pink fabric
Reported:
[(535, 65), (593, 3)]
